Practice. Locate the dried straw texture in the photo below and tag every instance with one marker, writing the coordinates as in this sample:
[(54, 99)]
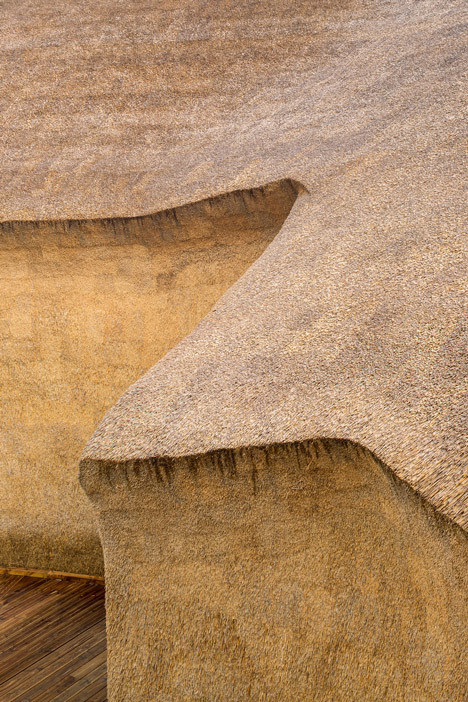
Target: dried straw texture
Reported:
[(295, 572), (352, 324), (86, 307)]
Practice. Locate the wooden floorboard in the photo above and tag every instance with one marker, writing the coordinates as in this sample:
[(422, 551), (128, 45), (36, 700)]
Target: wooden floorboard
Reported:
[(52, 640)]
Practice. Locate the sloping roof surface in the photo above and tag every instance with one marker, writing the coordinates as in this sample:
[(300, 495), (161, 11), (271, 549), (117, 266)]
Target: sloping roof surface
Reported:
[(353, 322)]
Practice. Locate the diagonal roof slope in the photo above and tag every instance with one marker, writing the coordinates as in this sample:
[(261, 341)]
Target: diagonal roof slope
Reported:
[(353, 323)]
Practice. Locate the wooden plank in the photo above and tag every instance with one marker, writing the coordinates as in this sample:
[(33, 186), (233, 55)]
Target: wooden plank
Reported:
[(42, 645), (52, 611), (90, 665), (78, 691), (10, 591), (63, 678), (9, 600), (24, 678), (100, 695), (55, 614), (30, 631), (36, 573), (43, 587), (10, 584), (17, 629), (53, 640), (89, 692), (32, 597), (49, 594), (54, 621)]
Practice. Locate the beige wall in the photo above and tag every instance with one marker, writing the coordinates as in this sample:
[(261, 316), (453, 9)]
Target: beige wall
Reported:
[(85, 308), (298, 572)]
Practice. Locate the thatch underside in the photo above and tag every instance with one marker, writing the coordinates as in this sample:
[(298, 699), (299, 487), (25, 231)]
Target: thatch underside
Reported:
[(352, 324), (86, 307)]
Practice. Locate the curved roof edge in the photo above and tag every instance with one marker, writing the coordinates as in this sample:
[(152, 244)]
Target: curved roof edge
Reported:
[(332, 333)]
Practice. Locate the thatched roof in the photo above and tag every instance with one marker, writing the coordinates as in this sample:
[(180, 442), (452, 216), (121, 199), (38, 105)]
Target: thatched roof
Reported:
[(353, 323)]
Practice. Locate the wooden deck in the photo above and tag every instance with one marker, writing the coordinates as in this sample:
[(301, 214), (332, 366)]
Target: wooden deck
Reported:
[(52, 640)]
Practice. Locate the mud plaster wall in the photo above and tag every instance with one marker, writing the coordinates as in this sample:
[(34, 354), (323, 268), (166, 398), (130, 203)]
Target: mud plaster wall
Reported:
[(298, 572), (85, 308)]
